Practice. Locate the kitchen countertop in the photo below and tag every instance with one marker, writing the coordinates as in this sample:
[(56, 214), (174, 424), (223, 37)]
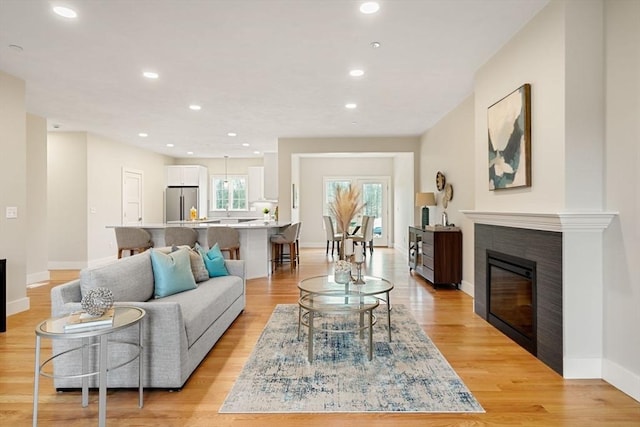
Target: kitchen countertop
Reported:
[(203, 223)]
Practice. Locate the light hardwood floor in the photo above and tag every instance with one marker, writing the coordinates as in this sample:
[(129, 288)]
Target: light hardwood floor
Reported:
[(513, 387)]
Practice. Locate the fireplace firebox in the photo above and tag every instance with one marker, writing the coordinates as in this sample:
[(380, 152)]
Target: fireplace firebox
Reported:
[(511, 297)]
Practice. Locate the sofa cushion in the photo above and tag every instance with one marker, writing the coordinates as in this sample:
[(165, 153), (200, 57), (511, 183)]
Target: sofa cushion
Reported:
[(199, 270), (129, 278), (202, 307), (171, 272), (214, 261)]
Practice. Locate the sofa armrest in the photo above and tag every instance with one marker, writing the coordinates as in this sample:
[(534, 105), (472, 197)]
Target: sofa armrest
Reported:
[(63, 298), (235, 267)]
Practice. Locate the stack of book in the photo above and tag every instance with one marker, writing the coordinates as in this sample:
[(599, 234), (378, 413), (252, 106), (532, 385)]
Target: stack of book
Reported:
[(82, 321)]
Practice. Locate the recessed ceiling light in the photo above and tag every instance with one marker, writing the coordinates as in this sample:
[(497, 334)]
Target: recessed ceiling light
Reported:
[(170, 145), (65, 12), (354, 123), (356, 73), (256, 152), (143, 135), (151, 74), (369, 7), (190, 153), (232, 134), (245, 144), (375, 45), (350, 105), (195, 107)]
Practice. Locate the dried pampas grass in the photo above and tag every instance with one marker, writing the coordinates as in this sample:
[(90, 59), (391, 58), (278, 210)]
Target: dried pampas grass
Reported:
[(345, 206)]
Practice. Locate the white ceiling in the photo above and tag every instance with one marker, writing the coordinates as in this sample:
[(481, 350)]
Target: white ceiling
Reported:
[(261, 68)]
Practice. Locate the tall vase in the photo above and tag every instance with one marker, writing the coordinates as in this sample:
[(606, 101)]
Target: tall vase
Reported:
[(342, 245)]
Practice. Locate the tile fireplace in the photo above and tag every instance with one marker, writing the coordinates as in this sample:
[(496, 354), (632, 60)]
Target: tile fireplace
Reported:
[(567, 250)]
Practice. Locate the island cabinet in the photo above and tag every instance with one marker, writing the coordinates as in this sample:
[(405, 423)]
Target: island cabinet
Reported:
[(436, 254)]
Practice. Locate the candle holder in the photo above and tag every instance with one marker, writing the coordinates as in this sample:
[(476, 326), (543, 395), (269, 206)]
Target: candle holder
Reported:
[(359, 280)]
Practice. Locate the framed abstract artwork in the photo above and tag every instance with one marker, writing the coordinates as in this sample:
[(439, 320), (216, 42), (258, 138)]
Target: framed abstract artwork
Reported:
[(509, 133)]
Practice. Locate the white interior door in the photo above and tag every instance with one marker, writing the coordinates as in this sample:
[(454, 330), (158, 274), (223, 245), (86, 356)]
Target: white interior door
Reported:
[(132, 200), (374, 192)]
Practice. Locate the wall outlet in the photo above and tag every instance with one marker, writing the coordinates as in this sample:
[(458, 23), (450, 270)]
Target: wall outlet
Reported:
[(12, 212)]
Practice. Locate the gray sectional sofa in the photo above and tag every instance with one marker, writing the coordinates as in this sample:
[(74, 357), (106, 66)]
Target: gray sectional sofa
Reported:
[(179, 330)]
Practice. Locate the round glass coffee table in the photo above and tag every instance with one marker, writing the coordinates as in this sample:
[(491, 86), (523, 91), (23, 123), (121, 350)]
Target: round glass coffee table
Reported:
[(373, 286), (54, 328), (341, 304)]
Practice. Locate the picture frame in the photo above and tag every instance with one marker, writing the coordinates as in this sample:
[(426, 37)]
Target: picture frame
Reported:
[(509, 140)]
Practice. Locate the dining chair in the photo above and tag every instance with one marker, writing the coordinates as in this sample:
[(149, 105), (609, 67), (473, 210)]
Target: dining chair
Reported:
[(332, 236), (367, 233)]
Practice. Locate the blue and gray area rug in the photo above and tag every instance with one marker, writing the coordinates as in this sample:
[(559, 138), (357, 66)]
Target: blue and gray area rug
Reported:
[(406, 375)]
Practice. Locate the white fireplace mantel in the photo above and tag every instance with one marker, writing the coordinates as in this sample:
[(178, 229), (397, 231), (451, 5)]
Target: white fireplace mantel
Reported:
[(560, 221), (582, 279)]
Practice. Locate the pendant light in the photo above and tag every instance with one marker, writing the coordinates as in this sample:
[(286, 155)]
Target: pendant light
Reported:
[(226, 177)]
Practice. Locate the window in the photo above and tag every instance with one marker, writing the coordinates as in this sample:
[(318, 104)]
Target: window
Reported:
[(230, 195)]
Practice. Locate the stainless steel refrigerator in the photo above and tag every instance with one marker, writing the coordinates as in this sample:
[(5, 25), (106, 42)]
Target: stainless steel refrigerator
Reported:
[(178, 203)]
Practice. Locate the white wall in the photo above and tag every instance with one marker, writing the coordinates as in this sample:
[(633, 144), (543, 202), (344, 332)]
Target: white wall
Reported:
[(448, 147), (67, 199), (404, 185), (105, 161), (290, 151), (622, 238), (37, 236), (13, 189), (535, 55), (312, 172)]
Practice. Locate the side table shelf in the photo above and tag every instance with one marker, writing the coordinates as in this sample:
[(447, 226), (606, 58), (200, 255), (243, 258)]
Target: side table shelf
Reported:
[(53, 328), (436, 254)]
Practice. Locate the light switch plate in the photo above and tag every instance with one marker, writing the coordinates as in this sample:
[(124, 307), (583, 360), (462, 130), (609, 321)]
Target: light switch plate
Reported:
[(12, 212)]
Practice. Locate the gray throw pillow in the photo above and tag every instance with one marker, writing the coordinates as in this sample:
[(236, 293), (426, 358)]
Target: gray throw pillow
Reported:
[(200, 273)]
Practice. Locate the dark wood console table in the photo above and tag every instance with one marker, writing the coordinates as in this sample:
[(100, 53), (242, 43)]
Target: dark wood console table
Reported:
[(435, 252)]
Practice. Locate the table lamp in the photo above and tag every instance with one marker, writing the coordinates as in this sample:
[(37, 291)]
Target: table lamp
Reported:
[(424, 200)]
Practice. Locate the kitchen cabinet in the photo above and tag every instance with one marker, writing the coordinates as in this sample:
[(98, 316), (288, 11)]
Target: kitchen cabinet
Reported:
[(436, 254), (256, 183), (270, 177), (183, 176)]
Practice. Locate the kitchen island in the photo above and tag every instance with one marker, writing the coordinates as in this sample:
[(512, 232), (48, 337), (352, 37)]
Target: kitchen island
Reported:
[(255, 247)]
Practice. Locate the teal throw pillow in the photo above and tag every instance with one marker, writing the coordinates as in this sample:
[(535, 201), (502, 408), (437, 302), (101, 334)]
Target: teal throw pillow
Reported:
[(171, 272), (214, 261)]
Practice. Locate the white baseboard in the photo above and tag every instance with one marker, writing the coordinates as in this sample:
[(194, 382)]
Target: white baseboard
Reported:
[(467, 288), (621, 378), (40, 276), (582, 368), (17, 306), (67, 265)]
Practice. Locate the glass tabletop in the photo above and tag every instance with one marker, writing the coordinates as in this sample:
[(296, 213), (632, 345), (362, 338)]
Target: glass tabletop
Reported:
[(124, 316), (324, 303), (323, 284)]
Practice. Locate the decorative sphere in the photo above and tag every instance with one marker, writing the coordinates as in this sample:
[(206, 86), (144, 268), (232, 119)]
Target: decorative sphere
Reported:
[(97, 301)]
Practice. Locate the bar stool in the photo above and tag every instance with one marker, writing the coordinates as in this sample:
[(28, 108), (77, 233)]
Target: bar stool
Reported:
[(290, 236), (180, 236), (132, 239), (227, 238)]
